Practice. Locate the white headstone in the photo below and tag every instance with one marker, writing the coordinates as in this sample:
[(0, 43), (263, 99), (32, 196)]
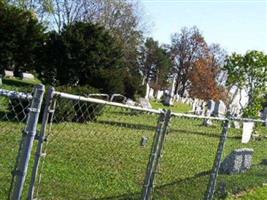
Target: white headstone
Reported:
[(247, 131), (8, 73), (27, 76), (160, 94)]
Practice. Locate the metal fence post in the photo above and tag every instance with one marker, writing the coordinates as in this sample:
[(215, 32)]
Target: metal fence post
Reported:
[(27, 143), (217, 162), (156, 151), (41, 138)]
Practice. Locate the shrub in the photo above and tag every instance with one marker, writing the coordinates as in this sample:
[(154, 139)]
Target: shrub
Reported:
[(77, 111)]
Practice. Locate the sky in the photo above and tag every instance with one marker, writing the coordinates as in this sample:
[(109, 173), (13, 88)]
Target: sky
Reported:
[(237, 25)]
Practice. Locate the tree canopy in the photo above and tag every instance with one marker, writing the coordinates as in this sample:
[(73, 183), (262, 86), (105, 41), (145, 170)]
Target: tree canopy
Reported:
[(20, 35), (248, 72)]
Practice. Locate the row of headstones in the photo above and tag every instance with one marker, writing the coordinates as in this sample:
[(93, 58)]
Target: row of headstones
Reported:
[(24, 75)]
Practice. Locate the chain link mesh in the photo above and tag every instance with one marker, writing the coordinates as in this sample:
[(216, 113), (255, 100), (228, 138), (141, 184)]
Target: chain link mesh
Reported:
[(187, 160), (95, 151), (13, 115)]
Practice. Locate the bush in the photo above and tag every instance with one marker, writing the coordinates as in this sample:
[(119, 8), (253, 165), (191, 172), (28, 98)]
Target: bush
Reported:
[(18, 109), (77, 111)]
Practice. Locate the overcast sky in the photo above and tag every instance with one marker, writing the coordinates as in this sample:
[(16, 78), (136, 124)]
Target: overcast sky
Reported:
[(237, 25)]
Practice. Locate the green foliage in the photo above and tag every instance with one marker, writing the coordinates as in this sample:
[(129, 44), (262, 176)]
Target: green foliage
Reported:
[(20, 35), (249, 72), (78, 111), (156, 64), (83, 54)]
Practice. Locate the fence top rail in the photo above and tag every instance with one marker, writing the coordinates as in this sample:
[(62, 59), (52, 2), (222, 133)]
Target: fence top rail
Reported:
[(15, 95), (217, 118), (104, 102)]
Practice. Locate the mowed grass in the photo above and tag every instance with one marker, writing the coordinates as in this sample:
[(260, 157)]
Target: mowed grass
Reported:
[(177, 107), (104, 160)]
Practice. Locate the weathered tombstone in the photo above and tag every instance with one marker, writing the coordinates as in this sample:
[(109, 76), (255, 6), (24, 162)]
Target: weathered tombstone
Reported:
[(130, 102), (239, 161), (151, 93), (247, 131), (145, 103), (160, 94), (118, 98), (198, 110), (8, 74), (219, 109), (211, 106), (236, 124), (99, 96), (144, 141), (207, 122), (27, 76), (264, 115)]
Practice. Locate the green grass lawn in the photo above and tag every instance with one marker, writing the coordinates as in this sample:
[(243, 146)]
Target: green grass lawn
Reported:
[(254, 194), (104, 159), (177, 107)]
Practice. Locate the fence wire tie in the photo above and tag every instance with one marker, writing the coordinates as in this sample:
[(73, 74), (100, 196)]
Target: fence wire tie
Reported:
[(38, 137), (34, 110), (28, 133)]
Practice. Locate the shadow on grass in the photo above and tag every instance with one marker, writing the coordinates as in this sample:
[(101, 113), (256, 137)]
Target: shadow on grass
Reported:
[(153, 128), (159, 189)]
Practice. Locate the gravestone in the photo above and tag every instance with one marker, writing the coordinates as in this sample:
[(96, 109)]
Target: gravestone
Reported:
[(211, 105), (219, 109), (247, 131), (27, 76), (8, 74), (118, 98), (207, 122), (264, 115), (130, 102), (145, 103), (239, 161), (236, 124), (160, 95)]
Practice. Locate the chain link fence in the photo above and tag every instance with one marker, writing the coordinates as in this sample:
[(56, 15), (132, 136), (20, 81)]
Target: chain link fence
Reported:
[(13, 115), (244, 164), (91, 148), (94, 149), (19, 114)]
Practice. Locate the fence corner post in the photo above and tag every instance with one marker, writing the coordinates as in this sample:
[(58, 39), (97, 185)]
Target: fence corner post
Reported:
[(29, 133)]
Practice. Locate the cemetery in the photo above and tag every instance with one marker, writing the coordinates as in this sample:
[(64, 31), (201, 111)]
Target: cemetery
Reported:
[(93, 107)]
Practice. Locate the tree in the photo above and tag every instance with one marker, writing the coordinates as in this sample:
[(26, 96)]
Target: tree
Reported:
[(20, 35), (155, 64), (248, 72), (187, 47), (203, 84), (83, 54)]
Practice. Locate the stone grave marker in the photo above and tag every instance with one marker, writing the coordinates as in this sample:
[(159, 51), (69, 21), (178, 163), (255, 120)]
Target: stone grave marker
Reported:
[(145, 103), (219, 109), (27, 76), (8, 73), (239, 161), (211, 106), (247, 131)]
